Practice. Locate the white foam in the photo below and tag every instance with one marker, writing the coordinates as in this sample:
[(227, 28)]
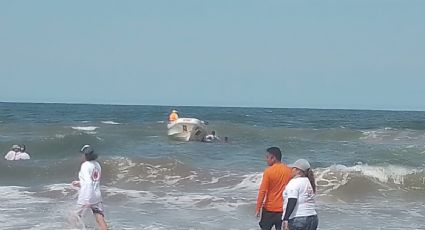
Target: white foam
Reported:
[(85, 128), (110, 122), (180, 200), (155, 173), (64, 189), (14, 201), (385, 174), (367, 135), (250, 182), (213, 181), (141, 196), (60, 136), (333, 177), (389, 135), (15, 194)]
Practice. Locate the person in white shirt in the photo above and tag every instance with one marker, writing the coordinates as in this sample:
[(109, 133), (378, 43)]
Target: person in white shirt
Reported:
[(89, 196), (300, 211), (212, 137), (11, 155), (21, 154)]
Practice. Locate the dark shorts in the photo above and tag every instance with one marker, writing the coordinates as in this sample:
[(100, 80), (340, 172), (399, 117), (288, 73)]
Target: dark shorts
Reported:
[(270, 219), (304, 223)]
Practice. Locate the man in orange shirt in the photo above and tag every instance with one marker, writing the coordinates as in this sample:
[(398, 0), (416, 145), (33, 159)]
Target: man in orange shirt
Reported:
[(270, 198), (173, 116)]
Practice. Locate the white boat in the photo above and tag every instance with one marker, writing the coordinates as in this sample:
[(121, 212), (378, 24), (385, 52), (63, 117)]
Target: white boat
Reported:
[(187, 129)]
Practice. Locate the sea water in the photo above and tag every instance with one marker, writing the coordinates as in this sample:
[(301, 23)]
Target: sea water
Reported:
[(368, 165)]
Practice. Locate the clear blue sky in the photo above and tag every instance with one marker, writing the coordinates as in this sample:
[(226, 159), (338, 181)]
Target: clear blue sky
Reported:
[(358, 54)]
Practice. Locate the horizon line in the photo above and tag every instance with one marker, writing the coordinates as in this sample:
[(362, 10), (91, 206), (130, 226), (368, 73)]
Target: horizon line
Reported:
[(213, 106)]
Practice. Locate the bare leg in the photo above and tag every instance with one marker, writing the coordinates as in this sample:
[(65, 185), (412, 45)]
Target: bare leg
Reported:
[(101, 222)]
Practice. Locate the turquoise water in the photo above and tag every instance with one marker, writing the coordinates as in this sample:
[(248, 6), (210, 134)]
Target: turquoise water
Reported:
[(369, 165)]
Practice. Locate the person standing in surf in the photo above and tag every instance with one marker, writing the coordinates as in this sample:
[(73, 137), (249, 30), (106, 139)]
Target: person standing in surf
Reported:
[(270, 199), (300, 211), (89, 196)]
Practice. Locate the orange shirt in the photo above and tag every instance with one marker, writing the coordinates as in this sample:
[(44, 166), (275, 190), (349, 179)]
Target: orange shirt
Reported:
[(275, 179), (173, 117)]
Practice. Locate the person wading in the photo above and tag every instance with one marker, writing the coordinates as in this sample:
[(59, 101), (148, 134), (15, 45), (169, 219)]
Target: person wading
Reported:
[(270, 199)]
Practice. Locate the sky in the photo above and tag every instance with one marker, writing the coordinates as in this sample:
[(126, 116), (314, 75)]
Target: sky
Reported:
[(357, 54)]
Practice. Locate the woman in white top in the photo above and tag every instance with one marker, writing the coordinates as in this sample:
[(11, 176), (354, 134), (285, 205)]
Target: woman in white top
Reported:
[(89, 196), (300, 212)]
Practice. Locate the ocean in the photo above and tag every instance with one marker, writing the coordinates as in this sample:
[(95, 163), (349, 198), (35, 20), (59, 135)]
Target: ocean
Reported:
[(369, 165)]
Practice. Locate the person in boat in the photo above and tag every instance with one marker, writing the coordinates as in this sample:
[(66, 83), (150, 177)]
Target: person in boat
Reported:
[(17, 153), (173, 116), (212, 137)]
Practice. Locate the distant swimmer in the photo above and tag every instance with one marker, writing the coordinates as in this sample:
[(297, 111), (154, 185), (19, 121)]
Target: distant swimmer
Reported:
[(211, 137), (22, 155), (173, 116), (17, 153), (226, 139), (10, 156), (89, 196)]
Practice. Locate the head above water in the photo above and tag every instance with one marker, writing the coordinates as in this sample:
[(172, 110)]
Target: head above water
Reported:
[(274, 155), (88, 152), (213, 132), (16, 147), (23, 148)]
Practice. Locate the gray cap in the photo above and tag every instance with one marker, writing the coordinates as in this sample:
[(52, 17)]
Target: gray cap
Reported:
[(300, 164), (87, 149), (15, 147)]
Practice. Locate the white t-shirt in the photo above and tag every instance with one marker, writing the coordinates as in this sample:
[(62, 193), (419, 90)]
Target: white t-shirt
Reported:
[(22, 156), (301, 189), (89, 175), (10, 156), (211, 137)]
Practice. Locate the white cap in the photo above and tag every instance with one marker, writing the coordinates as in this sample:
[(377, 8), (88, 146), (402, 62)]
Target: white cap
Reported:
[(174, 111), (301, 164), (15, 147)]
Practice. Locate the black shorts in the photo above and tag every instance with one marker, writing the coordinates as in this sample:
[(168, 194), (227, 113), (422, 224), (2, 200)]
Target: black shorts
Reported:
[(270, 219)]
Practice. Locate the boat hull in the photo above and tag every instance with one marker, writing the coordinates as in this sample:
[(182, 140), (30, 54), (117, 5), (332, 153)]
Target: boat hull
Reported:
[(187, 129)]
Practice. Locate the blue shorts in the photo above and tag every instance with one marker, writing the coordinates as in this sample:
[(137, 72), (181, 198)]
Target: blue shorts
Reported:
[(303, 223)]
